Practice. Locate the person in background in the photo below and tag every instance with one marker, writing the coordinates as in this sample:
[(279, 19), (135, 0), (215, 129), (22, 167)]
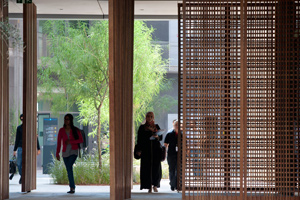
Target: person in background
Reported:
[(18, 147), (150, 152), (171, 145), (70, 138)]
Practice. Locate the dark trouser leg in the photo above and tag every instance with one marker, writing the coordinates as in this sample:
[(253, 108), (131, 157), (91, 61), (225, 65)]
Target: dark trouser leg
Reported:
[(19, 160), (69, 161), (172, 162)]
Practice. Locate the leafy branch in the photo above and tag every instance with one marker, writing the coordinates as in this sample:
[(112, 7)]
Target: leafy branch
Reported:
[(10, 32)]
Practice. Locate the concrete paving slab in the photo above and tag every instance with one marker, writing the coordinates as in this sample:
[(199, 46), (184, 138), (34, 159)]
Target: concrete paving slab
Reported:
[(46, 190)]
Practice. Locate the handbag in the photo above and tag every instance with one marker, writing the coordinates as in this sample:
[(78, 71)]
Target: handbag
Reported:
[(163, 153), (12, 167), (136, 150)]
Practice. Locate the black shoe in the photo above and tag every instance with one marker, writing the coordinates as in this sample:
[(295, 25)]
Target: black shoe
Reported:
[(71, 192), (20, 181), (172, 188), (11, 176)]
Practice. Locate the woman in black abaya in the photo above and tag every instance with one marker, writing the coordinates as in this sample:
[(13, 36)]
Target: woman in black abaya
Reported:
[(150, 151)]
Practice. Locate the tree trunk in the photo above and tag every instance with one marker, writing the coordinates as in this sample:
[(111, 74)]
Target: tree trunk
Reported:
[(99, 138)]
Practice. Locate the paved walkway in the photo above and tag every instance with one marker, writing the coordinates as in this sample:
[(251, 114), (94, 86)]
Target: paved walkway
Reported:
[(46, 190)]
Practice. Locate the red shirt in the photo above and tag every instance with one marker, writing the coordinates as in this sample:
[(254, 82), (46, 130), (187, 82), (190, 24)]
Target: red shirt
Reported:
[(63, 137)]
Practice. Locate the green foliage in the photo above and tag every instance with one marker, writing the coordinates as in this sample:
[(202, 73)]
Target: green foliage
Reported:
[(12, 133), (149, 70), (165, 170), (78, 68), (86, 171), (136, 171), (58, 171), (163, 104), (10, 32)]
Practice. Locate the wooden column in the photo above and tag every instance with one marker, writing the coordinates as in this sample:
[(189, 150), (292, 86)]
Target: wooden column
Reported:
[(29, 151), (4, 105), (121, 20)]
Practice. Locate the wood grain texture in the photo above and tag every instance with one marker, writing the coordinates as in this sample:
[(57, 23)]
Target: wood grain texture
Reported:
[(29, 146), (4, 108), (121, 96)]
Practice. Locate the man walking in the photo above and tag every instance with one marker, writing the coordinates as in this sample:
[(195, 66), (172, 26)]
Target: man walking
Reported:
[(171, 145), (18, 146)]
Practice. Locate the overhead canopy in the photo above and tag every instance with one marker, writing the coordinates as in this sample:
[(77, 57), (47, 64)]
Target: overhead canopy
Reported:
[(96, 9)]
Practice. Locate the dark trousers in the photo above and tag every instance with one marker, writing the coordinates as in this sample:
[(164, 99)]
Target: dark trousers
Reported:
[(172, 162), (19, 160), (69, 161)]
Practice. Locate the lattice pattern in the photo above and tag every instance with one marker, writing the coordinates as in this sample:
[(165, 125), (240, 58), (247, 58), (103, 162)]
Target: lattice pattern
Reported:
[(211, 85), (210, 106), (180, 94), (260, 97), (287, 95)]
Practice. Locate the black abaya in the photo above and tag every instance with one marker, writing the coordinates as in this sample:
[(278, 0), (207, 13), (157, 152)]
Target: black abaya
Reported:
[(150, 171)]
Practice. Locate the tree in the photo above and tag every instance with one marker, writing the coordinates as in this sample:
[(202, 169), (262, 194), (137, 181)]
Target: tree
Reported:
[(8, 32), (10, 37), (77, 68), (148, 71)]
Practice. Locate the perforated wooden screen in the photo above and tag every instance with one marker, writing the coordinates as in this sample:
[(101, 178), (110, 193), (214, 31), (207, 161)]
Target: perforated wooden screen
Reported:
[(180, 94), (240, 99)]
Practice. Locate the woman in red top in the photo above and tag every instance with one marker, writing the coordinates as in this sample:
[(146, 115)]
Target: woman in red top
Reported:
[(70, 137)]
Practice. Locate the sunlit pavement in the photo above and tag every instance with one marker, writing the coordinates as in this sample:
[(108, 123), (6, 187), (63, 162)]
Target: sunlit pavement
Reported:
[(46, 190)]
